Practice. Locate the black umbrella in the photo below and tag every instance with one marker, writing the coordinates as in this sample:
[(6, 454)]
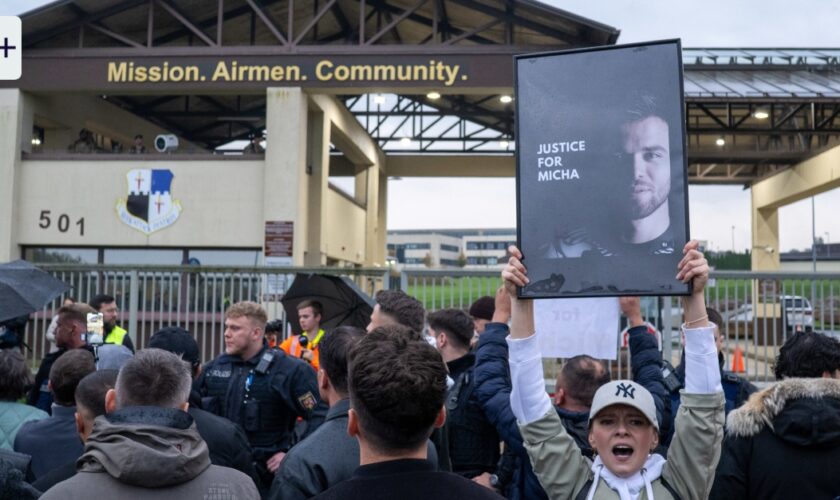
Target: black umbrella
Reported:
[(344, 303), (24, 289)]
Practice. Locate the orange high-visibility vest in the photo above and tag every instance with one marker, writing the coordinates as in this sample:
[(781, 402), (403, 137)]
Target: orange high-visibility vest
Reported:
[(292, 347)]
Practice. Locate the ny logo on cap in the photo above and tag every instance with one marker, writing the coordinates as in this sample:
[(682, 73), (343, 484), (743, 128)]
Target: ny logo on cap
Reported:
[(626, 391)]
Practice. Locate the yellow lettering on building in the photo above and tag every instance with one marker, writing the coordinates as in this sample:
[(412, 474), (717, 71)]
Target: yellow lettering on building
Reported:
[(117, 72), (221, 72), (436, 72), (324, 74)]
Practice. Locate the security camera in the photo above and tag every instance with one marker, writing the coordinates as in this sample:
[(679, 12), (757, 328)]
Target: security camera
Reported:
[(166, 143)]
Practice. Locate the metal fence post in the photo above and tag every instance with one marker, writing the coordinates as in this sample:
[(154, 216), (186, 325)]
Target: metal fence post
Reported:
[(133, 301), (386, 279), (403, 281)]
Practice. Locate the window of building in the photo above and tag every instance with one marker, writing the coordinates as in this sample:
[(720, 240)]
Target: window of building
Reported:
[(449, 248), (46, 255)]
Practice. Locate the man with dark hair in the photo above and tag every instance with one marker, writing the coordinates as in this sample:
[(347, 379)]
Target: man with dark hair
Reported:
[(90, 403), (481, 312), (261, 389), (808, 355), (70, 333), (473, 441), (329, 455), (640, 221), (576, 384), (53, 441), (146, 445), (784, 442), (226, 440), (113, 334), (304, 345), (394, 307), (397, 388)]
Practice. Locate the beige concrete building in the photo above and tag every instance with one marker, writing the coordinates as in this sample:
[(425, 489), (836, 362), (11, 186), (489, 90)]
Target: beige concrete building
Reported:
[(359, 90)]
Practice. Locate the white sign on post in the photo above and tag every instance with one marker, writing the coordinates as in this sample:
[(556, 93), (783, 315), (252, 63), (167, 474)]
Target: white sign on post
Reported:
[(570, 327)]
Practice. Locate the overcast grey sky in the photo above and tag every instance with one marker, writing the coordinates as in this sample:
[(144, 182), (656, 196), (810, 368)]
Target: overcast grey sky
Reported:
[(447, 203), (714, 210)]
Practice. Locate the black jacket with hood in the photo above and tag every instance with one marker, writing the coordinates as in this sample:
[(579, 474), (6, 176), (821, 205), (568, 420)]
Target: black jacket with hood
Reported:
[(783, 443)]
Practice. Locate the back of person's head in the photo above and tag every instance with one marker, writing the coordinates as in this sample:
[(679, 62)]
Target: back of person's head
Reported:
[(15, 377), (66, 373), (76, 312), (397, 386), (715, 317), (99, 300), (580, 378), (316, 306), (177, 341), (809, 355), (251, 310), (483, 308), (274, 326), (154, 377), (334, 352), (405, 310), (90, 394), (457, 325)]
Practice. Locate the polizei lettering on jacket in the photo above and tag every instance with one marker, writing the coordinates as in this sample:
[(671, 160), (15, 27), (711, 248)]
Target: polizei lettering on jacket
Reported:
[(551, 157)]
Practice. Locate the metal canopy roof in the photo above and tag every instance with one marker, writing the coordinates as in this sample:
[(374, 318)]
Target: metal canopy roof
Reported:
[(750, 112)]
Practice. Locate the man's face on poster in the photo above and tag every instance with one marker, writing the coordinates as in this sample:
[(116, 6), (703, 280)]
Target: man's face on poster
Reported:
[(645, 141)]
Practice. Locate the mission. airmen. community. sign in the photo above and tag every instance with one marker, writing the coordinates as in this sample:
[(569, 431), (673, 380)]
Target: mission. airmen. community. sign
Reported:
[(324, 70)]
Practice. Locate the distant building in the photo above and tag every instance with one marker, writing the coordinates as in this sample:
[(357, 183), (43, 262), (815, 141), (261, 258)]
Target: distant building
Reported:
[(828, 259), (449, 248)]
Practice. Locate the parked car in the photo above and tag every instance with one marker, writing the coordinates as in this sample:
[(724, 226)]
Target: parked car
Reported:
[(797, 313)]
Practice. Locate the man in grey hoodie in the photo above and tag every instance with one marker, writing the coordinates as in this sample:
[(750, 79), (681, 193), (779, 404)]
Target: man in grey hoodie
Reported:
[(147, 445)]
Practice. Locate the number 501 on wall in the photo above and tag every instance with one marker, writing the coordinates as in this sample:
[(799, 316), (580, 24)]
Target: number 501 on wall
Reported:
[(62, 222)]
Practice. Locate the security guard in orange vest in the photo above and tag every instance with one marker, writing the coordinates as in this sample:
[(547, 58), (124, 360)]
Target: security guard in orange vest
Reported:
[(305, 345), (107, 305)]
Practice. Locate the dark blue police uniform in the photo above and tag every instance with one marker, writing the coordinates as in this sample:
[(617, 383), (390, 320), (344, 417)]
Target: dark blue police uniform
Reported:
[(265, 395)]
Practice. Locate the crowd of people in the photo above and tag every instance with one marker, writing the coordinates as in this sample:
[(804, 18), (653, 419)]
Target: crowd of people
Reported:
[(445, 404)]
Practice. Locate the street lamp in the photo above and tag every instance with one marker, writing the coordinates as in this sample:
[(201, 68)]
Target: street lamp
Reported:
[(828, 244)]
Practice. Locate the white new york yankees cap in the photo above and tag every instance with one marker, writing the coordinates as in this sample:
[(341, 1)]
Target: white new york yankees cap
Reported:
[(624, 392)]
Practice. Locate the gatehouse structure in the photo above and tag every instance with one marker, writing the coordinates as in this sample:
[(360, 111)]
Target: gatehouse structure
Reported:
[(335, 96)]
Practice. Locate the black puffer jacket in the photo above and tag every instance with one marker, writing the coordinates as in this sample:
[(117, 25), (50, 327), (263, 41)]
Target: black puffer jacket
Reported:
[(783, 443)]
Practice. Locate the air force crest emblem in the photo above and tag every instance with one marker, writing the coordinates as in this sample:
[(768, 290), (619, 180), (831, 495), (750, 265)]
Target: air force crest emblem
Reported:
[(149, 206)]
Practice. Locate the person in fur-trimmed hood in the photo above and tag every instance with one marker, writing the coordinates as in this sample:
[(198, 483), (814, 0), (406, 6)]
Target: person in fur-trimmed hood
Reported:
[(785, 441)]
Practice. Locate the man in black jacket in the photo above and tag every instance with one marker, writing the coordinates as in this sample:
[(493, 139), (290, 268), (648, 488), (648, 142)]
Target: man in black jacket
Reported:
[(53, 441), (227, 442), (785, 441), (328, 455), (473, 441), (90, 403), (397, 386)]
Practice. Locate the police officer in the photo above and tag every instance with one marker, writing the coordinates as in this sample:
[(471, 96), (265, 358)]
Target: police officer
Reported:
[(259, 388)]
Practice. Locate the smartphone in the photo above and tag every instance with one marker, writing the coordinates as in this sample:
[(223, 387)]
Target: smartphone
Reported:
[(95, 328)]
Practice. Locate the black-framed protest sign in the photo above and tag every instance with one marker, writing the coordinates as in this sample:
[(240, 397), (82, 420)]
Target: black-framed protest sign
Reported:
[(602, 192)]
